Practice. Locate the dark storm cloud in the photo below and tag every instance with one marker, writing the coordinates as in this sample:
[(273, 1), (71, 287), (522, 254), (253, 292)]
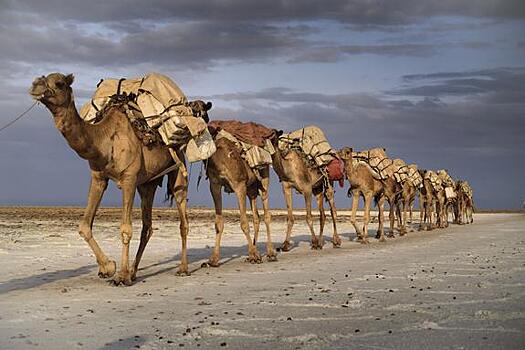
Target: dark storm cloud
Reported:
[(188, 43), (489, 122), (504, 84), (382, 12)]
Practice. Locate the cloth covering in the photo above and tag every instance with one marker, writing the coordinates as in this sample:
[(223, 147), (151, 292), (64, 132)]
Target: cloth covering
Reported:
[(312, 141), (250, 132), (164, 107), (255, 155)]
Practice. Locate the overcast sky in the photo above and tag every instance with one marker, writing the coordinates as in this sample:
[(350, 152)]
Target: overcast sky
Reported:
[(438, 83)]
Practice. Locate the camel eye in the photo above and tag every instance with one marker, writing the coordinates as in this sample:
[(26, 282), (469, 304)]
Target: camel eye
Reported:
[(60, 84)]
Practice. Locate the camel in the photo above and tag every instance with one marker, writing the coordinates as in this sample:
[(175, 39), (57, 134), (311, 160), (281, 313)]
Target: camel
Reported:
[(295, 173), (392, 193), (426, 202), (114, 152), (464, 203), (363, 183), (406, 200), (227, 169)]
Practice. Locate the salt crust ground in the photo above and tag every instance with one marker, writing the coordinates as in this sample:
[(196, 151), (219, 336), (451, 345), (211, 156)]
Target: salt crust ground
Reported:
[(460, 287)]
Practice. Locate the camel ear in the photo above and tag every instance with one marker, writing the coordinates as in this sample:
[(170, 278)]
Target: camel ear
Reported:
[(208, 106), (279, 133), (69, 79)]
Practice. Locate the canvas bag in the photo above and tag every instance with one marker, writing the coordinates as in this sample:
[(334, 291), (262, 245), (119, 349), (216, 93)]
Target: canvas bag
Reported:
[(165, 108), (312, 142)]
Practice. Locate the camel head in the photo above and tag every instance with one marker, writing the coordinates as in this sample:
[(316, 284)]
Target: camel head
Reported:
[(275, 138), (345, 154), (53, 90), (200, 109)]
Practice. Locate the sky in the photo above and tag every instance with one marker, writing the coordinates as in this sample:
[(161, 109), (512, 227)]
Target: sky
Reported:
[(437, 83)]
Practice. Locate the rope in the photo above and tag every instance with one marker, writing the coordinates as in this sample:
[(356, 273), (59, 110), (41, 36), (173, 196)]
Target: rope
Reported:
[(16, 119)]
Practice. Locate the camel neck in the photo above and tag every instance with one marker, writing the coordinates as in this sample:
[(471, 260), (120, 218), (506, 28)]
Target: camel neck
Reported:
[(76, 131)]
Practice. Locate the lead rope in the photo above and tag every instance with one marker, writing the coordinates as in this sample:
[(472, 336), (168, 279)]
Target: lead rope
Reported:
[(17, 118)]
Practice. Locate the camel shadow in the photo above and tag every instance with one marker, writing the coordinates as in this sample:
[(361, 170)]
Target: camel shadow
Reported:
[(197, 256), (43, 278)]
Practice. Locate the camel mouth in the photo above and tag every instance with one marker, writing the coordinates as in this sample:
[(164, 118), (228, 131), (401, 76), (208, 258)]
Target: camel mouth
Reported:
[(37, 92)]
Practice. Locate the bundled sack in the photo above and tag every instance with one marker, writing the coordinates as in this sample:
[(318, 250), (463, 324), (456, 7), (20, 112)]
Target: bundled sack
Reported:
[(414, 176), (465, 188), (336, 171), (448, 183), (435, 181), (312, 141), (400, 170), (252, 139), (164, 107), (383, 166), (377, 159)]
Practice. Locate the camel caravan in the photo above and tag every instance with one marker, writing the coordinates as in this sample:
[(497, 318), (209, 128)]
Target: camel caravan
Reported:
[(138, 131)]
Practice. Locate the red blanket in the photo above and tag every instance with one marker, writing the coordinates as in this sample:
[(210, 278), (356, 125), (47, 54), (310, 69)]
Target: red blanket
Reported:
[(250, 132)]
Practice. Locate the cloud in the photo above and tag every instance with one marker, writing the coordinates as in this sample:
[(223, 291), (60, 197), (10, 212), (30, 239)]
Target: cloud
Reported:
[(379, 12)]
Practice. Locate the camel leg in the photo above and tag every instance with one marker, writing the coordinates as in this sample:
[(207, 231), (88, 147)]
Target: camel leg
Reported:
[(147, 194), (309, 220), (216, 193), (181, 199), (404, 218), (106, 267), (253, 255), (353, 218), (264, 193), (429, 212), (336, 240), (255, 218), (422, 209), (391, 217), (128, 185), (322, 219), (366, 218), (410, 210), (380, 230), (287, 191)]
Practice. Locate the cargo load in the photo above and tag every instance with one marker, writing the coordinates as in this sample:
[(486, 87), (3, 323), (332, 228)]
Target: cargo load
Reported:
[(164, 108), (414, 176), (382, 166), (312, 142), (252, 139), (435, 180)]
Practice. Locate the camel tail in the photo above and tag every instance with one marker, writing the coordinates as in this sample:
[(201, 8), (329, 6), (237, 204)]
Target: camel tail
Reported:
[(170, 189)]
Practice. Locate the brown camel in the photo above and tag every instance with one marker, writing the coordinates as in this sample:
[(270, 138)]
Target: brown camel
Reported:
[(406, 201), (426, 202), (464, 203), (363, 183), (227, 168), (114, 152), (295, 173), (392, 193)]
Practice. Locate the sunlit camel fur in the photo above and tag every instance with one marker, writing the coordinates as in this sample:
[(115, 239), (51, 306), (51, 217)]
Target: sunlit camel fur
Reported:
[(114, 152)]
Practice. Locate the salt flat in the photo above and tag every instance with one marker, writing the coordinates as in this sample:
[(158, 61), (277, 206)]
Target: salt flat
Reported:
[(460, 287)]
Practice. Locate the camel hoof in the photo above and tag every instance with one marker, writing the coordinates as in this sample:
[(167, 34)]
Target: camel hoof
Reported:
[(271, 257), (382, 239), (122, 279), (183, 272), (337, 242), (210, 263), (286, 246), (254, 259), (107, 270)]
